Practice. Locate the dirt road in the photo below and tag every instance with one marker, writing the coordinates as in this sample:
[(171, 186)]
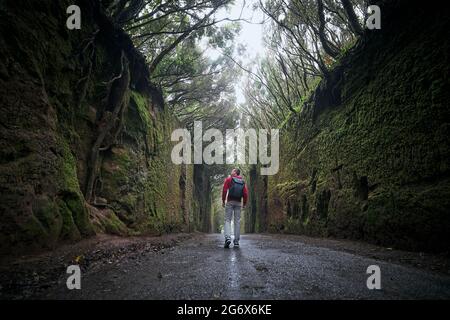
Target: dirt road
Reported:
[(264, 267)]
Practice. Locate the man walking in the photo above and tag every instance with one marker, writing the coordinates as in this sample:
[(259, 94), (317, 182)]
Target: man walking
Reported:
[(237, 190)]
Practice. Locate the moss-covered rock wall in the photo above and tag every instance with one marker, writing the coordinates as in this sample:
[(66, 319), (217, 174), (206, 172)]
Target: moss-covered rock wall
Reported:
[(59, 90), (367, 156)]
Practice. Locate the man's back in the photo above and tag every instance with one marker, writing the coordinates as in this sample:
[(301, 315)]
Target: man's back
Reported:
[(228, 184)]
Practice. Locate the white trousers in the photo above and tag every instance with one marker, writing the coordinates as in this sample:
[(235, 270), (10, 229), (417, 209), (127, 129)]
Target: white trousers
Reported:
[(232, 209)]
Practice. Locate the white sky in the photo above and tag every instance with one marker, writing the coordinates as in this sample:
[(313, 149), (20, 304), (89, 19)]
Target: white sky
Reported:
[(251, 36)]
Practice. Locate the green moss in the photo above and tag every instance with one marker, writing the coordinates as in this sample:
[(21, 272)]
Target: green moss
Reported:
[(69, 230), (141, 103), (290, 188), (47, 212), (306, 222), (113, 225), (293, 225), (138, 176), (32, 232), (71, 194), (129, 201), (68, 168), (139, 182), (75, 202), (381, 153)]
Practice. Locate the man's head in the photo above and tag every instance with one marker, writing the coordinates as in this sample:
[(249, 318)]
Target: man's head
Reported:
[(235, 172)]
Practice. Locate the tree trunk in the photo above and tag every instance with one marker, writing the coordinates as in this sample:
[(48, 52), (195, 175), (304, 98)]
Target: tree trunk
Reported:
[(352, 18), (327, 46)]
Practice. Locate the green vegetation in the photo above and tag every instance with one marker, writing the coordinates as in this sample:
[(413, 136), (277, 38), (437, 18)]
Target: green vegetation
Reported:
[(87, 118), (371, 164)]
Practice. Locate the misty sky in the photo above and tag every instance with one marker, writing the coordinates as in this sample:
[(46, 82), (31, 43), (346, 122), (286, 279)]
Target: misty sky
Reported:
[(250, 36)]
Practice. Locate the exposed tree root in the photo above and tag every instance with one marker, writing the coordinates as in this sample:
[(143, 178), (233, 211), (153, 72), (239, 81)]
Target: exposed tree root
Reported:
[(117, 102)]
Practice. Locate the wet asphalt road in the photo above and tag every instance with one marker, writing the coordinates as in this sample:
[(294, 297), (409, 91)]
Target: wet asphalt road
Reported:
[(264, 267)]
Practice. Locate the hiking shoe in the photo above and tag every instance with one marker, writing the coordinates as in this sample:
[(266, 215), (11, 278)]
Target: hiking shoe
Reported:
[(227, 243), (236, 244)]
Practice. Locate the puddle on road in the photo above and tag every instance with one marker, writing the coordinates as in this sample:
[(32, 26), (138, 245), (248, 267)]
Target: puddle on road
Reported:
[(234, 271)]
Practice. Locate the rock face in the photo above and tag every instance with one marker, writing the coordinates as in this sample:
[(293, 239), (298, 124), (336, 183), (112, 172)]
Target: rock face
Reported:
[(80, 120), (367, 157)]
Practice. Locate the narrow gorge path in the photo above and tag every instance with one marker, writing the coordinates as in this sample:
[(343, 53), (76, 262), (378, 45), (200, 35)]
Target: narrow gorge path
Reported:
[(264, 267)]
